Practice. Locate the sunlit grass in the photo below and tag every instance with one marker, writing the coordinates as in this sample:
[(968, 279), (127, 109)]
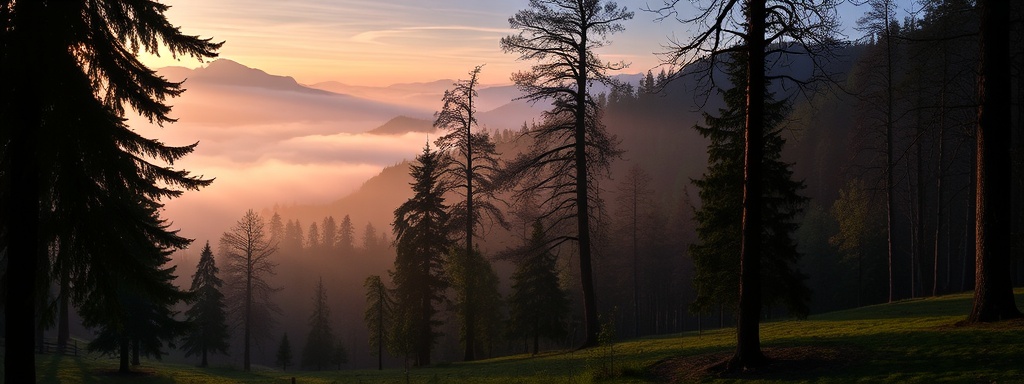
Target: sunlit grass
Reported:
[(908, 341)]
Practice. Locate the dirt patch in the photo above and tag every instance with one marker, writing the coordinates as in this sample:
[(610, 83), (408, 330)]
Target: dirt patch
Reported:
[(804, 362)]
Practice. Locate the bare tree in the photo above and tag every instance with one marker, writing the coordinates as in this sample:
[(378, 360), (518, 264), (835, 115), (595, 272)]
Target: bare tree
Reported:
[(763, 31), (248, 252), (561, 36)]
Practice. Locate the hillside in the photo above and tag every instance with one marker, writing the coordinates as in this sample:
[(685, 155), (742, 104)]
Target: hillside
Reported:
[(912, 341)]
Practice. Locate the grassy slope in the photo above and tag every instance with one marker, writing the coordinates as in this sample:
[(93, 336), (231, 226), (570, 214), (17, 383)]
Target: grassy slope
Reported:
[(909, 341)]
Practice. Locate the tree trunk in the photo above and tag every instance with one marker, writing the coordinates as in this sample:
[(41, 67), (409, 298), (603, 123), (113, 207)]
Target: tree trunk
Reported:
[(582, 200), (204, 363), (22, 210), (748, 343), (63, 326), (993, 289), (889, 205), (470, 311), (247, 335), (125, 351), (135, 353)]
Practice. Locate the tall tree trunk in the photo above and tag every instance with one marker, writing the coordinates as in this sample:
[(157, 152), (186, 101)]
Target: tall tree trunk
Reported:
[(939, 173), (22, 210), (125, 351), (993, 289), (582, 200), (636, 267), (748, 342), (135, 353), (63, 326), (889, 205), (380, 328), (469, 309), (247, 332)]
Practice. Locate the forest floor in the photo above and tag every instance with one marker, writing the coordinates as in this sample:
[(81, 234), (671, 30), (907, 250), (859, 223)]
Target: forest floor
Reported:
[(905, 342)]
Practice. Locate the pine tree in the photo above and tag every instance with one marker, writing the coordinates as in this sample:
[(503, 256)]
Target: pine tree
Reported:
[(69, 160), (472, 163), (720, 215), (476, 294), (329, 235), (346, 237), (209, 333), (319, 349), (537, 306), (379, 307), (339, 355), (572, 146), (422, 240), (284, 353), (137, 311)]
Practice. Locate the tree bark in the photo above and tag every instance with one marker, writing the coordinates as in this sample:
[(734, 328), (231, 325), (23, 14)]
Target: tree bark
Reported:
[(748, 344), (993, 289), (469, 307), (582, 200)]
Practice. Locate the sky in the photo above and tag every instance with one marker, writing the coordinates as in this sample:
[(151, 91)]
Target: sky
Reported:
[(296, 159), (374, 42)]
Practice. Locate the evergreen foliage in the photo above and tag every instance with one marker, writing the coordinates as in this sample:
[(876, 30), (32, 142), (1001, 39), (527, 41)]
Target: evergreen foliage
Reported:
[(209, 332), (320, 348), (71, 170), (719, 218), (346, 237), (537, 306), (572, 146), (420, 225), (284, 353), (476, 289), (378, 316)]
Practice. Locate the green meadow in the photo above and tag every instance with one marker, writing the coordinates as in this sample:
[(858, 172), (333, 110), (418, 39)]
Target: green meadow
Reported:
[(904, 342)]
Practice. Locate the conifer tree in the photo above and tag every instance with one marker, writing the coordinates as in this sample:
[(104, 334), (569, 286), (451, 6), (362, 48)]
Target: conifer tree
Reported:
[(209, 333), (67, 156), (319, 349), (329, 234), (339, 355), (719, 217), (470, 167), (537, 305), (379, 307), (572, 146), (476, 295), (346, 237), (284, 353), (420, 225)]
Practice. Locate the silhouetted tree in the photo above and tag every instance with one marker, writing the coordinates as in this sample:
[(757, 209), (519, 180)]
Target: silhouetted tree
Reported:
[(469, 171), (537, 305), (379, 307), (993, 287), (329, 234), (313, 240), (719, 217), (138, 312), (346, 237), (209, 333), (561, 35), (339, 355), (62, 151), (248, 252), (476, 294), (284, 353), (757, 30), (634, 201), (421, 242), (370, 238), (277, 230), (319, 350)]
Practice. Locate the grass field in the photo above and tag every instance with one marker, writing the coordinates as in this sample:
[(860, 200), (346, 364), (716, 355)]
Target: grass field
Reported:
[(908, 341)]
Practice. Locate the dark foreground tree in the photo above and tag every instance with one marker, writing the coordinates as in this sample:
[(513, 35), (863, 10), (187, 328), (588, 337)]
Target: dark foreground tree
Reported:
[(476, 296), (379, 307), (758, 30), (572, 145), (319, 349), (421, 242), (137, 313), (209, 332), (66, 155), (993, 287), (471, 166), (248, 252), (537, 306), (719, 218), (284, 353)]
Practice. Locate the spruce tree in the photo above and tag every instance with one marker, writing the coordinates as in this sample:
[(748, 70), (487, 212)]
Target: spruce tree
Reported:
[(346, 237), (68, 161), (209, 332), (476, 295), (319, 349), (284, 353), (719, 217), (537, 305), (420, 225), (379, 307)]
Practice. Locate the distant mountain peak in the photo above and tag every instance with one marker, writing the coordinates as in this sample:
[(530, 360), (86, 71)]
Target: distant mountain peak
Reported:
[(401, 125)]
